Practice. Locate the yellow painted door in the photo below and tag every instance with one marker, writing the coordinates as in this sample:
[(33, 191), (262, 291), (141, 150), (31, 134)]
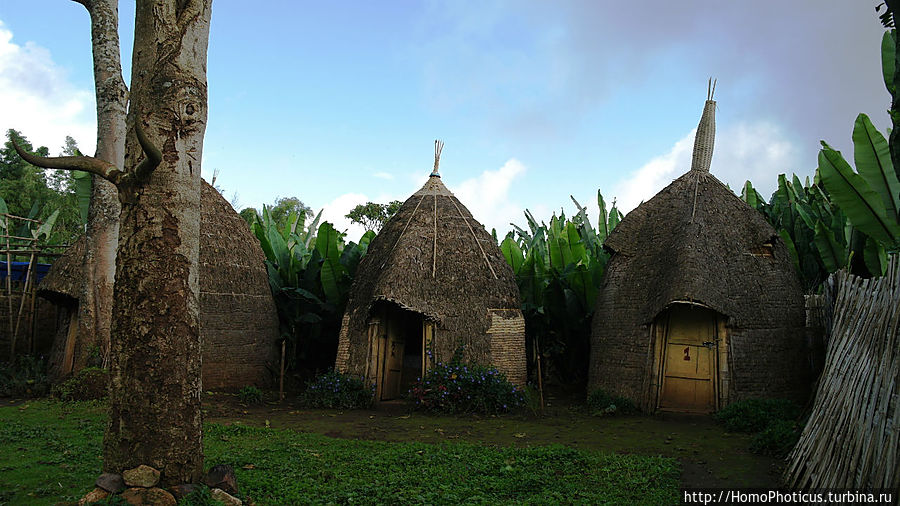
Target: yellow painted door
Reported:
[(393, 363), (689, 367)]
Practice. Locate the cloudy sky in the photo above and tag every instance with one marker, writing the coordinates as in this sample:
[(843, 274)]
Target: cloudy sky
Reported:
[(338, 103)]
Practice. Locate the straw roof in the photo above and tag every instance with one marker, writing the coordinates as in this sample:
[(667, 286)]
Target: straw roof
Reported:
[(238, 319), (432, 257), (697, 242)]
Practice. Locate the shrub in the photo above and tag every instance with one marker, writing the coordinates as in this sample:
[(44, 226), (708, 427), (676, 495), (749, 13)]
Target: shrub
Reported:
[(26, 377), (754, 415), (461, 388), (250, 395), (342, 391), (601, 403), (87, 384), (777, 439)]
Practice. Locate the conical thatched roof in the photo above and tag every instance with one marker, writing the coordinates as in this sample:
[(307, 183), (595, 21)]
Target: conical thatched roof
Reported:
[(432, 257), (238, 319), (697, 242)]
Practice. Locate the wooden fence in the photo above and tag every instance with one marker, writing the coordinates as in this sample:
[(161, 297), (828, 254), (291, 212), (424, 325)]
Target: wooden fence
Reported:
[(853, 434)]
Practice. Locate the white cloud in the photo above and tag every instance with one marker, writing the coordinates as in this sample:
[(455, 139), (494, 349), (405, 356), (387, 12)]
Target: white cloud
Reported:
[(383, 175), (37, 99), (756, 151), (487, 196), (335, 213)]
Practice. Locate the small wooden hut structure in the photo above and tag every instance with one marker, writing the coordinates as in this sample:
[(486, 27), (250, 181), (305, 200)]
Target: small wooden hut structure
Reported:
[(432, 282), (700, 305), (238, 319)]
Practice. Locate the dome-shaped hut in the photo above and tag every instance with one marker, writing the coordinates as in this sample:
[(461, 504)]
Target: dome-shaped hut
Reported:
[(238, 319), (432, 282), (700, 304)]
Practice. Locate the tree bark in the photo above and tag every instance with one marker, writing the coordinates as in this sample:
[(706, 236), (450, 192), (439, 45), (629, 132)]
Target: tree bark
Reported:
[(155, 416), (102, 232)]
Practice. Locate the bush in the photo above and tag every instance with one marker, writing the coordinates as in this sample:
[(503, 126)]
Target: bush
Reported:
[(602, 403), (342, 391), (26, 377), (250, 395), (87, 384), (461, 388), (754, 415), (777, 439)]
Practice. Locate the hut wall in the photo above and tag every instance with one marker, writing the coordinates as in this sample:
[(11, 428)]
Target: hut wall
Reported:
[(507, 340), (768, 363)]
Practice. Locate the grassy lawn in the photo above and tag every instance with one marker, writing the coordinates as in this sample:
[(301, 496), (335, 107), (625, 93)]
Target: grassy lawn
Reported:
[(50, 451)]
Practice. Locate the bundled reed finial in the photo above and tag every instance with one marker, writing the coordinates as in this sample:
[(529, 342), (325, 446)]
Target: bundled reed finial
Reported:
[(706, 132), (438, 147)]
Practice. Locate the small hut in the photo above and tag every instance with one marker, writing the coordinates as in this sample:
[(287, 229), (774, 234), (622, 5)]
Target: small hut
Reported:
[(432, 283), (700, 305), (238, 319)]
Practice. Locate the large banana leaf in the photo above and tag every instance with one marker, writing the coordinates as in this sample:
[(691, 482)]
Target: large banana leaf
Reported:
[(603, 229), (328, 247), (888, 48), (833, 254), (576, 244), (3, 210), (873, 162), (82, 193), (850, 192), (43, 232), (513, 254), (875, 257)]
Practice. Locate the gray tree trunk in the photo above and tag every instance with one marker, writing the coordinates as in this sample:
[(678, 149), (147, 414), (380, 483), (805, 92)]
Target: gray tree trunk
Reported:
[(101, 235), (155, 416)]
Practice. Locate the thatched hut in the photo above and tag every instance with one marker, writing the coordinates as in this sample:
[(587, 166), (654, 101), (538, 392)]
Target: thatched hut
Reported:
[(432, 282), (700, 304), (238, 319)]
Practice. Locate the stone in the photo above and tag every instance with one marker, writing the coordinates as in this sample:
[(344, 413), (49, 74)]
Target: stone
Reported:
[(222, 477), (111, 482), (179, 491), (98, 494), (141, 476), (146, 496), (224, 497)]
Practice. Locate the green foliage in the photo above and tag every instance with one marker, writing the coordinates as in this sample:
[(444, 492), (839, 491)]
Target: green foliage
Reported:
[(90, 383), (341, 391), (310, 273), (777, 439), (754, 415), (32, 192), (373, 216), (558, 268), (26, 377), (199, 497), (250, 395), (465, 388), (602, 403)]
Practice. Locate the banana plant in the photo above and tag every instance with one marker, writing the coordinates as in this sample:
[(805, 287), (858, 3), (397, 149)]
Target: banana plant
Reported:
[(559, 266)]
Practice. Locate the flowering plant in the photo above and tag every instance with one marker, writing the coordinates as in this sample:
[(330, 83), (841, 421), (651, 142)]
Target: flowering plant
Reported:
[(335, 390), (465, 388)]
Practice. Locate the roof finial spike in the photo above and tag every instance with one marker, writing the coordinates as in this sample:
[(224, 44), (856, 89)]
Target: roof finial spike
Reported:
[(705, 138), (438, 147)]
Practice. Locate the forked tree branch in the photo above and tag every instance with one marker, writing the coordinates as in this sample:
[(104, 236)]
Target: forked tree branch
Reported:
[(99, 167)]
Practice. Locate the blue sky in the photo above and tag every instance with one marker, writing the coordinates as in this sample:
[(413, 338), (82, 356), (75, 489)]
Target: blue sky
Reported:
[(339, 102)]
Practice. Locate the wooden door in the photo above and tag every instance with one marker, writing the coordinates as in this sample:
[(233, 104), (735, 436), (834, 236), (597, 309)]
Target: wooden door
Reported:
[(393, 362), (689, 369)]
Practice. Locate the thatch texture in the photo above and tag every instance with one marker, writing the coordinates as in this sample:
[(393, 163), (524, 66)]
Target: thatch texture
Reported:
[(697, 242), (435, 259), (238, 319)]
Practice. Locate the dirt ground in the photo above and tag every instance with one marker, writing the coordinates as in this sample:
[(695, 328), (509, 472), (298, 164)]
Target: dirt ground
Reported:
[(709, 456)]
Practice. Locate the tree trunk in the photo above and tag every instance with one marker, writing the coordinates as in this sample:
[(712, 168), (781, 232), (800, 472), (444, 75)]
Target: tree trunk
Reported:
[(101, 235), (155, 416)]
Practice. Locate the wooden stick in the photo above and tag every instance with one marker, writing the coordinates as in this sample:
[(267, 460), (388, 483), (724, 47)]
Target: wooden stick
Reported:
[(281, 377)]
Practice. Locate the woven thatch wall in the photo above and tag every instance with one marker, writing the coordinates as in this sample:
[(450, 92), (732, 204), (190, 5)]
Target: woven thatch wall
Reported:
[(696, 241), (238, 319), (435, 259)]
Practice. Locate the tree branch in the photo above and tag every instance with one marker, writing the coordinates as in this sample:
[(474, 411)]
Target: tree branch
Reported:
[(154, 155), (90, 164)]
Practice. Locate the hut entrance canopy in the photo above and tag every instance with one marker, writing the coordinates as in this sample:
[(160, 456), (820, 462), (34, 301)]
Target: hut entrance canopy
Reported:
[(687, 340)]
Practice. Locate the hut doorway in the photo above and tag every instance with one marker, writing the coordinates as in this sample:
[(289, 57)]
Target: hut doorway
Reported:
[(688, 374), (400, 357)]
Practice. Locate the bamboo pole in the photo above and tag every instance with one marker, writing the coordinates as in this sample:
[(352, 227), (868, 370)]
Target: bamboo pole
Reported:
[(281, 376)]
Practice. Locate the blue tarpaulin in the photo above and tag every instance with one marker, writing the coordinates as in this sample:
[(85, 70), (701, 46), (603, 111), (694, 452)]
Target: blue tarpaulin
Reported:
[(20, 270)]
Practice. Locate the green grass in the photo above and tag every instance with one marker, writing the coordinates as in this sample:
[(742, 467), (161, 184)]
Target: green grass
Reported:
[(50, 451)]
